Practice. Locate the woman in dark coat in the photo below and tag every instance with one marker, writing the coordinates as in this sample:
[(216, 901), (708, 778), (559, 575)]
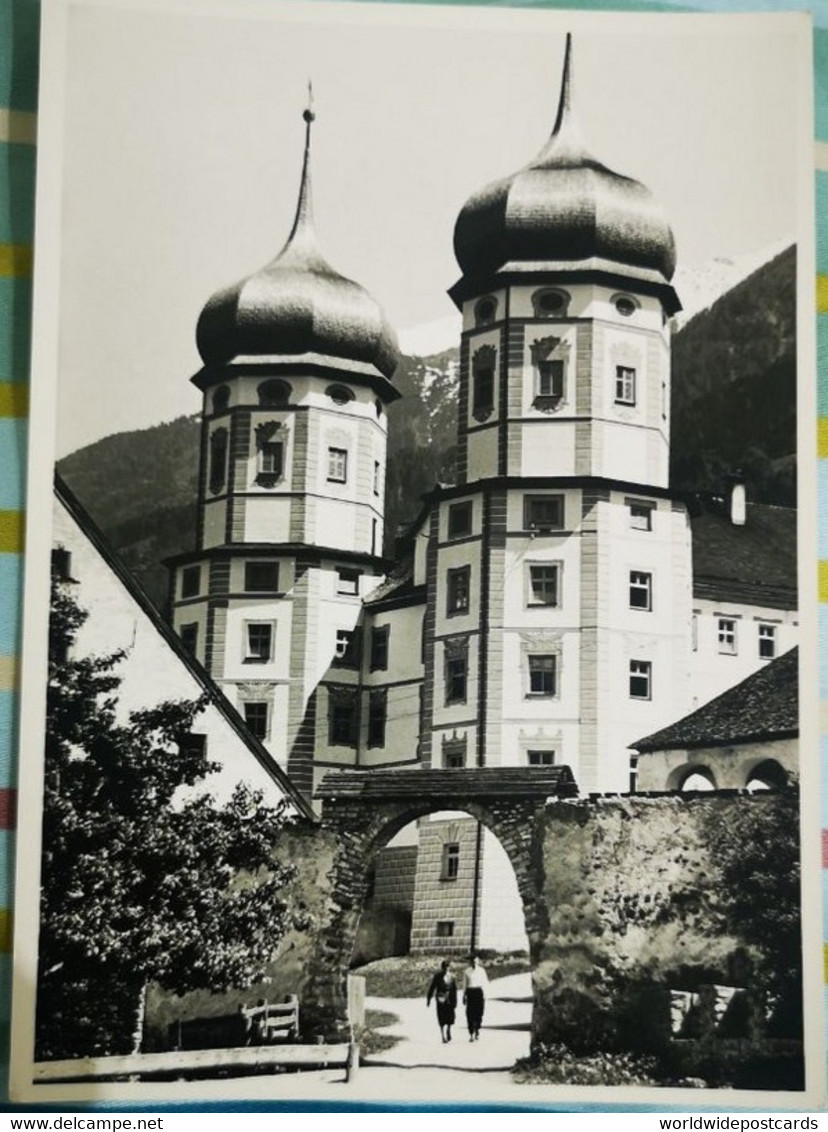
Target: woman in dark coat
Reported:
[(443, 990)]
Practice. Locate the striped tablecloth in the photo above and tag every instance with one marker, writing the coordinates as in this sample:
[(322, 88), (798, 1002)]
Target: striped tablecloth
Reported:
[(19, 28)]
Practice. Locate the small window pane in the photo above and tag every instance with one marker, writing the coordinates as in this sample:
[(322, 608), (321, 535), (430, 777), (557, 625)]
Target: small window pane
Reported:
[(261, 577), (641, 590), (190, 581), (255, 716), (641, 516), (540, 758), (640, 679), (767, 642), (337, 465), (444, 929), (727, 636), (458, 586), (625, 385), (377, 714), (542, 673), (189, 637), (347, 581), (543, 512), (460, 520), (456, 673), (543, 584), (450, 867), (379, 648), (259, 642)]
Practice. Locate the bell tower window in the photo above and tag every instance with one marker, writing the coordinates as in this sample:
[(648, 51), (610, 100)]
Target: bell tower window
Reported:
[(549, 356), (270, 449), (218, 459), (485, 310), (624, 385), (483, 382), (273, 394), (550, 303)]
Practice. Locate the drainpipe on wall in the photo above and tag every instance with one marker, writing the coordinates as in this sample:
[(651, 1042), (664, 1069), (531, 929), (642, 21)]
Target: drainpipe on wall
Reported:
[(475, 919)]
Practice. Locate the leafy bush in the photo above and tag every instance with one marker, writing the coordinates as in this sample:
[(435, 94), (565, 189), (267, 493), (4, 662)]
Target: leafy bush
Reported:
[(558, 1065)]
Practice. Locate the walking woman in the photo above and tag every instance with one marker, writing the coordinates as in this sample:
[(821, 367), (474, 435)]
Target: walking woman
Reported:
[(443, 990), (475, 981)]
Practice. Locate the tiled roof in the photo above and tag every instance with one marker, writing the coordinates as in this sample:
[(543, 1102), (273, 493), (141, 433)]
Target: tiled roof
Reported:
[(470, 782), (764, 706), (754, 563), (399, 585)]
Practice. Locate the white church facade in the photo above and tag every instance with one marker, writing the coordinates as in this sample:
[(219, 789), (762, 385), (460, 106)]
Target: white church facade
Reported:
[(556, 604)]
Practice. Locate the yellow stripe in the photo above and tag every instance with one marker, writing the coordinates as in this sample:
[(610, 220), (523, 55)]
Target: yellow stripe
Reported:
[(11, 532), (8, 675), (20, 127), (5, 930), (823, 581), (822, 294), (14, 399), (16, 259)]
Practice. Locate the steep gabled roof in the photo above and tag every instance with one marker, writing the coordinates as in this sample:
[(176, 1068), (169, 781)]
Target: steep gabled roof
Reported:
[(214, 694), (753, 563), (764, 706)]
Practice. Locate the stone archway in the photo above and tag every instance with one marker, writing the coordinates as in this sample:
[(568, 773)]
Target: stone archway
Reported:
[(365, 809)]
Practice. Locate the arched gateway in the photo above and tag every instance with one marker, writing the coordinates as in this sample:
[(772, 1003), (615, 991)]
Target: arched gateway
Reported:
[(365, 809)]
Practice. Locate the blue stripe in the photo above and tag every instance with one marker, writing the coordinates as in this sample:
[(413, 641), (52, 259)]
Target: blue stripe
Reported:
[(11, 573), (822, 223), (822, 368), (13, 439), (6, 871)]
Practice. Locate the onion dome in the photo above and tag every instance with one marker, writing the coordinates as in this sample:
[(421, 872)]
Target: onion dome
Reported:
[(298, 305), (565, 210)]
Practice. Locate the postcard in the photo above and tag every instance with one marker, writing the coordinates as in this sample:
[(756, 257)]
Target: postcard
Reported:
[(419, 691)]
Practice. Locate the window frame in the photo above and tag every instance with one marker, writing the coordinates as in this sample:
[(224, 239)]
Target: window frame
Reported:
[(377, 722), (251, 655), (343, 718), (625, 385), (458, 588), (346, 577), (538, 663), (727, 636), (550, 372), (641, 671), (454, 678), (346, 648), (533, 601), (444, 929), (252, 728), (260, 564), (641, 582), (450, 861), (189, 629), (337, 464), (644, 509), (271, 461), (483, 382), (541, 756), (767, 634), (464, 508), (534, 499), (379, 648)]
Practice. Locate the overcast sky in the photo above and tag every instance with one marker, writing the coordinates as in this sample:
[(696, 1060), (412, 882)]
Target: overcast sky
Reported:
[(183, 139)]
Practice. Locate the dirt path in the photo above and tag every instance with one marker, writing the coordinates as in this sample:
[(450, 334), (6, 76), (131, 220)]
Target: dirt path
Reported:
[(504, 1036)]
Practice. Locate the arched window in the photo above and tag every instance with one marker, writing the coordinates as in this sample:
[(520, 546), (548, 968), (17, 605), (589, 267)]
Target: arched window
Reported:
[(485, 310), (550, 302), (483, 382), (221, 398), (218, 459), (274, 393)]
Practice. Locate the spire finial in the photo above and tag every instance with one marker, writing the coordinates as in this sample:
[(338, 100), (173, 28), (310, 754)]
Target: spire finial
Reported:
[(564, 103), (304, 208)]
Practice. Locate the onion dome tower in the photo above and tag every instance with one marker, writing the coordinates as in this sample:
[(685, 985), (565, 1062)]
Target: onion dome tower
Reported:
[(297, 371)]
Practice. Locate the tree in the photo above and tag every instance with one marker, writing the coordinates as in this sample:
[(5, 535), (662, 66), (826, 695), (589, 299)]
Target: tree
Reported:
[(141, 879)]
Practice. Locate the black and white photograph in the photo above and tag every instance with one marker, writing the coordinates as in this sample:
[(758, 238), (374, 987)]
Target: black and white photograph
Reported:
[(419, 676)]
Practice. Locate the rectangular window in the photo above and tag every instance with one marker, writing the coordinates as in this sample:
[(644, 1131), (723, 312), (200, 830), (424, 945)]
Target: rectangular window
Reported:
[(271, 459), (543, 584), (640, 679), (189, 637), (542, 675), (767, 642), (342, 719), (641, 515), (641, 590), (540, 758), (543, 512), (347, 581), (727, 636), (456, 679), (256, 718), (259, 644), (458, 585), (337, 465), (261, 577), (191, 581), (624, 385), (346, 651), (633, 773), (444, 929), (454, 757), (450, 865), (194, 744), (483, 382), (376, 477), (550, 379), (379, 647), (460, 519), (377, 715)]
